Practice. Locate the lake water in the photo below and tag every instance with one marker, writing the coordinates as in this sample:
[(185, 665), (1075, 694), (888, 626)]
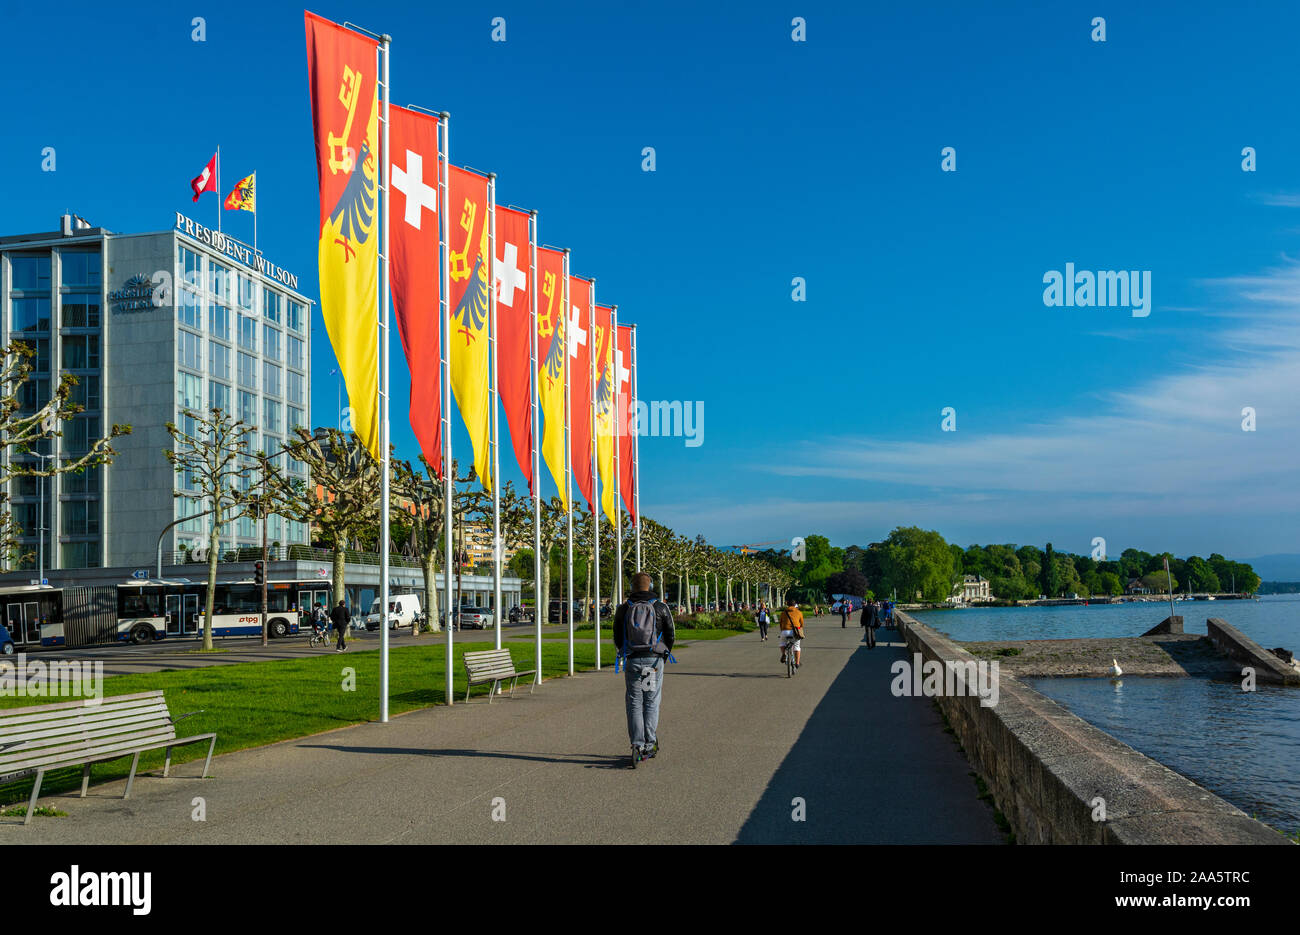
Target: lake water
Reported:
[(1244, 746)]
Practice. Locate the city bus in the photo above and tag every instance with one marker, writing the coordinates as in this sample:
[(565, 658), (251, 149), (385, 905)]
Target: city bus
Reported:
[(146, 611)]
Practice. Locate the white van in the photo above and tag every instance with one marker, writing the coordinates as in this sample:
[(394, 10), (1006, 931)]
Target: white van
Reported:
[(402, 611)]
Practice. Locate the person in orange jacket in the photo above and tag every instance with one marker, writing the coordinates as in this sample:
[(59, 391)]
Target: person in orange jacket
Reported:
[(792, 631)]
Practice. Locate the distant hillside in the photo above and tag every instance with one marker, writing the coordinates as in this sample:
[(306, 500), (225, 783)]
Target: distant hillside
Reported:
[(1280, 567), (1279, 587)]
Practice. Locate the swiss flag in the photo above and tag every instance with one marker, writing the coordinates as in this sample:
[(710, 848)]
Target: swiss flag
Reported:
[(512, 271), (205, 181), (413, 225)]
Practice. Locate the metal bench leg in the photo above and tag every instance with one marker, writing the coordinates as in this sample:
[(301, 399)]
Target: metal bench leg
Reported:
[(467, 688), (512, 686), (85, 780), (207, 765), (167, 763), (493, 690), (36, 794), (130, 780)]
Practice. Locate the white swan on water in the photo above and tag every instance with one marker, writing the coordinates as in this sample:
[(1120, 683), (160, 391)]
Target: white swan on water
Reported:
[(1115, 671)]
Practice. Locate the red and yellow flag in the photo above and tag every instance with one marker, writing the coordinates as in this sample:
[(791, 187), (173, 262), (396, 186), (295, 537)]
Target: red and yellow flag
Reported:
[(470, 352), (552, 367), (625, 412), (604, 402), (341, 69), (243, 197)]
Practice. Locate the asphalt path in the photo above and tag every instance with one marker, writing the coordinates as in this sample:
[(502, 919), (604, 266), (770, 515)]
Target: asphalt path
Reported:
[(747, 756)]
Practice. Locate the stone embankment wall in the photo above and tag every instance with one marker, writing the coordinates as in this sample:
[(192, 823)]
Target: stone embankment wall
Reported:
[(1239, 647), (1047, 768)]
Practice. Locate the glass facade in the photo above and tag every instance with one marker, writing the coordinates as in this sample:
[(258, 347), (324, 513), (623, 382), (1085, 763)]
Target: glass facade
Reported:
[(240, 345)]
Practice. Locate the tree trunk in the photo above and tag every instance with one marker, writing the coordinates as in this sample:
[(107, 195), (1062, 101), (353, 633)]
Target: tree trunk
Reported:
[(430, 566), (340, 586), (542, 601), (214, 547)]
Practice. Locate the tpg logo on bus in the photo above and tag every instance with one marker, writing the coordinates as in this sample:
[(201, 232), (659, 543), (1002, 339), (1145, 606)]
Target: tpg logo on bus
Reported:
[(250, 619)]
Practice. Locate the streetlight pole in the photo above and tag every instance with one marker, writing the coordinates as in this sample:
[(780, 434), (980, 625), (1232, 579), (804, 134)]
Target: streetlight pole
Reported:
[(265, 460)]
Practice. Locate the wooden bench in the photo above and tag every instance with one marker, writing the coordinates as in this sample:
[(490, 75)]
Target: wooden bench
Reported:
[(495, 666), (78, 733)]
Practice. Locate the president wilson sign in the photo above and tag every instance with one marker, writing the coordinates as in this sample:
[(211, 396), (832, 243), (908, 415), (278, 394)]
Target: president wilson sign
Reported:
[(236, 250)]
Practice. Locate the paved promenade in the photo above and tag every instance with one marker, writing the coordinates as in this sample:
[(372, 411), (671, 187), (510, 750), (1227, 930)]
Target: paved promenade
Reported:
[(739, 742)]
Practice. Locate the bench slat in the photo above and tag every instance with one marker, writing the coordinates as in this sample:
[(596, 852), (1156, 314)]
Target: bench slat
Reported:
[(54, 707), (84, 753), (10, 724), (45, 745), (97, 722)]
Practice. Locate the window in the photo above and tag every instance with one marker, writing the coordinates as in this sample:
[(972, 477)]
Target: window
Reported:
[(80, 434), (218, 395), (190, 507), (85, 481), (79, 268), (270, 342), (81, 555), (26, 487), (219, 282), (218, 360), (245, 297), (271, 415), (189, 393), (189, 308), (41, 362), (271, 378), (247, 531), (272, 303), (81, 352), (247, 333), (191, 268), (297, 317), (189, 348), (219, 319), (31, 314), (80, 311), (27, 517), (247, 370), (275, 448), (295, 352), (85, 392), (30, 273), (295, 387), (248, 407), (294, 419), (80, 517), (33, 394)]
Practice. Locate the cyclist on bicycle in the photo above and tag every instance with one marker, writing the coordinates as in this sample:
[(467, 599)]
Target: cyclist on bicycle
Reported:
[(791, 630), (319, 621)]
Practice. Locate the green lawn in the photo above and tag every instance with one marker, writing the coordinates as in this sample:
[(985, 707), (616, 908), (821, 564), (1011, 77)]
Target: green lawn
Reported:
[(255, 703)]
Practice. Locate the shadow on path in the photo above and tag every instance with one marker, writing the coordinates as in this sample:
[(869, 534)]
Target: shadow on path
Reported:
[(871, 769), (588, 760)]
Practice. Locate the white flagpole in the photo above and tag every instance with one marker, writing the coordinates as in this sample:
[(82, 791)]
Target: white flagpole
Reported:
[(494, 394), (636, 458), (541, 602), (568, 456), (221, 204), (618, 485), (448, 472), (385, 44), (595, 462), (384, 184)]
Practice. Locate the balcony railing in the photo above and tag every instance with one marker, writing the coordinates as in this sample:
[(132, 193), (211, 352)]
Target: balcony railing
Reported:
[(299, 553)]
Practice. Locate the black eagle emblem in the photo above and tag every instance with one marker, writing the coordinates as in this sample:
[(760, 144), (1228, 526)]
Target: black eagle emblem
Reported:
[(555, 356), (472, 309), (356, 206)]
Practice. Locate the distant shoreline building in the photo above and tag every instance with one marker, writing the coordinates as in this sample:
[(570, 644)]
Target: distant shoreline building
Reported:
[(150, 324), (972, 588)]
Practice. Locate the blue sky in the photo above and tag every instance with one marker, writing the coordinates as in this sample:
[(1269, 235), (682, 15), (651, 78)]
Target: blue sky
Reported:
[(821, 160)]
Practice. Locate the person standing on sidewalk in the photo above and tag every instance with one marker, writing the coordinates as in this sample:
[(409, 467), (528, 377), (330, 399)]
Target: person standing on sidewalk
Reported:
[(762, 619), (845, 607), (868, 621), (340, 617), (643, 636)]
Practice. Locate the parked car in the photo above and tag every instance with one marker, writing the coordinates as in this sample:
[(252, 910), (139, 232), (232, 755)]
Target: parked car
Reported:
[(6, 642), (403, 609), (475, 618)]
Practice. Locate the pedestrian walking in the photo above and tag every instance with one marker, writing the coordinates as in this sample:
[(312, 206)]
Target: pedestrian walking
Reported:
[(339, 616), (643, 636), (844, 613), (762, 618), (868, 621)]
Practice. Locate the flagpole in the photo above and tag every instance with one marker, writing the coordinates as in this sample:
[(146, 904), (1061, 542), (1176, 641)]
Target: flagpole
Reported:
[(385, 44), (595, 461), (568, 455), (448, 471), (494, 395), (618, 485), (636, 456), (220, 202), (541, 602)]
